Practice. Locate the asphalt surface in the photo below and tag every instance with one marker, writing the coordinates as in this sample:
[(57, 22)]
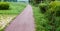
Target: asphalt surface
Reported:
[(23, 22)]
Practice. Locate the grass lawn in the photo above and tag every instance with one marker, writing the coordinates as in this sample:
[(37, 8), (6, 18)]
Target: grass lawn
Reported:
[(39, 19), (15, 8), (6, 16)]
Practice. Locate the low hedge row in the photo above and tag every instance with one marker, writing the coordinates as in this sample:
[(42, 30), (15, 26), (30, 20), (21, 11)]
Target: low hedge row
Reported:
[(51, 7), (4, 5)]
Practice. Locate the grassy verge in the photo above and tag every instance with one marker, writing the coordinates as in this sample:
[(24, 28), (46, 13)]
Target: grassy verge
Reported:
[(5, 19), (15, 8), (6, 16), (39, 19)]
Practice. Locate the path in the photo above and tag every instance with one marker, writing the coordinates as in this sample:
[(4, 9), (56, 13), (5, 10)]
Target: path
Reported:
[(23, 22)]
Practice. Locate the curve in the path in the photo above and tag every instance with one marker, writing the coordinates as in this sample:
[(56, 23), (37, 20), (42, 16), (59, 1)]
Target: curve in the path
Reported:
[(23, 22)]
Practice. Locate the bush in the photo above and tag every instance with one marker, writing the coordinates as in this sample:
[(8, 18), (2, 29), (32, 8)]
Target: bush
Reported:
[(52, 12), (4, 6), (55, 7), (58, 29), (43, 7)]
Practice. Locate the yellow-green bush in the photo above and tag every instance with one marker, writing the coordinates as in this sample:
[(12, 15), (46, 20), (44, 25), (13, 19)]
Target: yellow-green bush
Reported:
[(53, 14), (53, 10), (4, 5), (54, 7)]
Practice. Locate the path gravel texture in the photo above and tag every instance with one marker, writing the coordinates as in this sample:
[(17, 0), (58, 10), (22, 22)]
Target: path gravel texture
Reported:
[(23, 22)]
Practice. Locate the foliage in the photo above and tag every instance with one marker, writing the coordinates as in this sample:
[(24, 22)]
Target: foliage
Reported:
[(15, 8), (4, 6), (37, 16), (58, 29), (36, 2), (54, 7), (43, 7), (50, 20), (52, 12)]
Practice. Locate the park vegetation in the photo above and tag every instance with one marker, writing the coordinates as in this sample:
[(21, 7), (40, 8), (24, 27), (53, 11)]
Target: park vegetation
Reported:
[(8, 12), (47, 14)]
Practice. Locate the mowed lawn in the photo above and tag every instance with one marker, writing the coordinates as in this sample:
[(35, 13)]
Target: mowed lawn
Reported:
[(15, 8), (7, 16)]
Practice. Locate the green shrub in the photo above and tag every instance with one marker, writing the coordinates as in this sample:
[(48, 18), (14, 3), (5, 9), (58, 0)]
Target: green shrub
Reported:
[(55, 7), (43, 7), (58, 29), (52, 12), (4, 6)]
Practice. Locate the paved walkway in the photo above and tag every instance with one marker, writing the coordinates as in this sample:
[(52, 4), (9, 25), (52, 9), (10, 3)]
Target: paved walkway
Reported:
[(23, 22)]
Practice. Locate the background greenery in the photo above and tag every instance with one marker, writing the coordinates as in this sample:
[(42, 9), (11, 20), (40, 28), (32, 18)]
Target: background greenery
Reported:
[(47, 15)]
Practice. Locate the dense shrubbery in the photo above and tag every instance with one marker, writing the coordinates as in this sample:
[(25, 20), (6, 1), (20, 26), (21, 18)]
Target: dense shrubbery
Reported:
[(36, 2), (52, 13), (43, 7), (4, 6), (55, 7)]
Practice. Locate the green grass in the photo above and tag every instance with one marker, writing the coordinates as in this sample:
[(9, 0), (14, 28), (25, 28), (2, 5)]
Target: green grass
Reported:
[(39, 19), (15, 8)]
